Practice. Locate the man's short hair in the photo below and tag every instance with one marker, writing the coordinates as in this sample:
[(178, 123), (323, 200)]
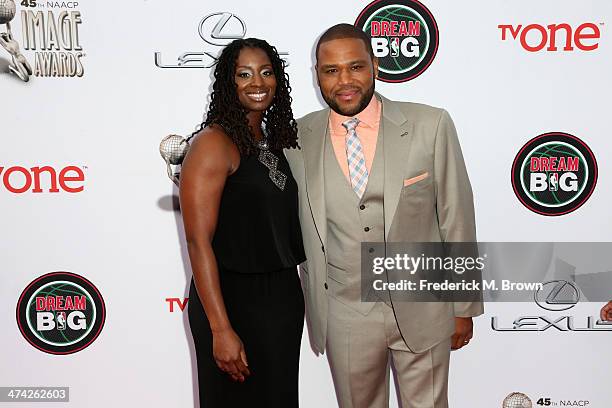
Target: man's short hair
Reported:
[(342, 31)]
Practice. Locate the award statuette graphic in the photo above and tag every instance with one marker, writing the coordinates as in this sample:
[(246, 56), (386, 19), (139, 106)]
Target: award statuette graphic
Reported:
[(20, 65), (173, 149), (517, 400)]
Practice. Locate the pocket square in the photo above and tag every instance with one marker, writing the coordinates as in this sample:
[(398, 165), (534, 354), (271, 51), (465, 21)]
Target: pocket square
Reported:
[(412, 180)]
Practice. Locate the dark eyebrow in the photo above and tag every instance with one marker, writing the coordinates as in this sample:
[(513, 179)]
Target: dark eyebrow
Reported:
[(326, 66), (250, 67)]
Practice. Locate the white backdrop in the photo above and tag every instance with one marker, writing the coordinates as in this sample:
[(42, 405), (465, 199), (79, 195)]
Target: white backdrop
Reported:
[(123, 233)]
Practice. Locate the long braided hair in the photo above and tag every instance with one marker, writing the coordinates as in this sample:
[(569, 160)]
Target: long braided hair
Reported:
[(226, 110)]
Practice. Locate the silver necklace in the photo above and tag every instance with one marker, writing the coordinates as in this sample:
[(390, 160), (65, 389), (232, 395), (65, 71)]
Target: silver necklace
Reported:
[(269, 159)]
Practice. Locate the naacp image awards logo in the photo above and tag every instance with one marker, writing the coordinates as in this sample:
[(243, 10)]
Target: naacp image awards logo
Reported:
[(404, 37), (61, 313), (50, 38)]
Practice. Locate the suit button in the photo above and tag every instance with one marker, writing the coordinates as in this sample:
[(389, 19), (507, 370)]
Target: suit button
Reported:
[(371, 250), (366, 229), (325, 285), (362, 207)]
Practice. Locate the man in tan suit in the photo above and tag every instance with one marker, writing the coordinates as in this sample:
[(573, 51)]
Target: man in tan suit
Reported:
[(375, 170)]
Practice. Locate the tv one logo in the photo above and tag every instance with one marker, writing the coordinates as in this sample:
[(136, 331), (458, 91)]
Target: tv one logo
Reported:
[(43, 179), (553, 37), (180, 303)]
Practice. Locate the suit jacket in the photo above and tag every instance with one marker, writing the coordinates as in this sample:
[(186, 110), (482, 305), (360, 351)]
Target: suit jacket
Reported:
[(420, 143)]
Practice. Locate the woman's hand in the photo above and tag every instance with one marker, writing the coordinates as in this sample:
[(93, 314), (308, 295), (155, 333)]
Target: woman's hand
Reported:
[(210, 159), (229, 354)]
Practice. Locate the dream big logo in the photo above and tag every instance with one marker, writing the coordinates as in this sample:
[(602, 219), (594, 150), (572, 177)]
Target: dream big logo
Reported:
[(60, 313), (404, 37), (554, 173)]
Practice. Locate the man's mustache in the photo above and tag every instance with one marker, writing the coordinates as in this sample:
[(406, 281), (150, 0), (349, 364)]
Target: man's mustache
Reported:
[(348, 89)]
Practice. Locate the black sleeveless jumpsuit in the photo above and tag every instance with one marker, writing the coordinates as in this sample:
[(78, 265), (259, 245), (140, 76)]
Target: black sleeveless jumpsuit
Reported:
[(257, 245)]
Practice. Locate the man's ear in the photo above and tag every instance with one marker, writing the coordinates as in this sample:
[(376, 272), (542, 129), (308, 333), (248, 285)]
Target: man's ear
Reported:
[(375, 64), (316, 68)]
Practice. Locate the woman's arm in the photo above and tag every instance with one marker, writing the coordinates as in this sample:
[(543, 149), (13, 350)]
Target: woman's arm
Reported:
[(211, 158)]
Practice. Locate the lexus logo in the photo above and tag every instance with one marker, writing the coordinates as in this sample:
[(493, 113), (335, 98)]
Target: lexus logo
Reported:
[(221, 28), (557, 295), (216, 29)]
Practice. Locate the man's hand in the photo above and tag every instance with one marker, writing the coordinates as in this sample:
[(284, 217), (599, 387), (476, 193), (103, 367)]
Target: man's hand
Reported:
[(463, 332), (606, 312)]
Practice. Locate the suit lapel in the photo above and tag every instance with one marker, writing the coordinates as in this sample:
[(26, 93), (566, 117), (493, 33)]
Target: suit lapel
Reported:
[(397, 137), (313, 144)]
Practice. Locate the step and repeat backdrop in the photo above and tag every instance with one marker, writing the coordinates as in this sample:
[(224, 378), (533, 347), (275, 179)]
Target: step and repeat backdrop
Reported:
[(95, 272)]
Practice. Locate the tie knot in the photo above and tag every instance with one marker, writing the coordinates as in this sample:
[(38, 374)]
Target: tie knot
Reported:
[(350, 124)]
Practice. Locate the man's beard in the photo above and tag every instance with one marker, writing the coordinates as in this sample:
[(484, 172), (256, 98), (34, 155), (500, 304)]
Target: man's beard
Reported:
[(363, 103)]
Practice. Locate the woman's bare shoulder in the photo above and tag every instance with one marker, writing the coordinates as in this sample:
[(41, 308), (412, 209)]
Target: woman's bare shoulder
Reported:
[(211, 138)]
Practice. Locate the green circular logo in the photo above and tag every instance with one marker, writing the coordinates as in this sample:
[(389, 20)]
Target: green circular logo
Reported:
[(60, 313), (404, 38), (554, 174)]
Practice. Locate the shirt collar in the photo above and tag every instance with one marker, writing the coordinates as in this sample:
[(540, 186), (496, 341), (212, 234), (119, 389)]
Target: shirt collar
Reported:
[(369, 117)]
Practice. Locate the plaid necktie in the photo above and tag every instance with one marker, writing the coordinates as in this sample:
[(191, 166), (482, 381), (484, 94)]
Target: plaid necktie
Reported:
[(358, 172)]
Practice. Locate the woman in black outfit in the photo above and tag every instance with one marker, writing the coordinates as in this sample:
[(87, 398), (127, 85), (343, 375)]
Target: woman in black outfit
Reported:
[(240, 210)]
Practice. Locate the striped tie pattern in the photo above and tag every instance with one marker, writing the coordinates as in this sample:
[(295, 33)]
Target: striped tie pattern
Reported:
[(358, 172)]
